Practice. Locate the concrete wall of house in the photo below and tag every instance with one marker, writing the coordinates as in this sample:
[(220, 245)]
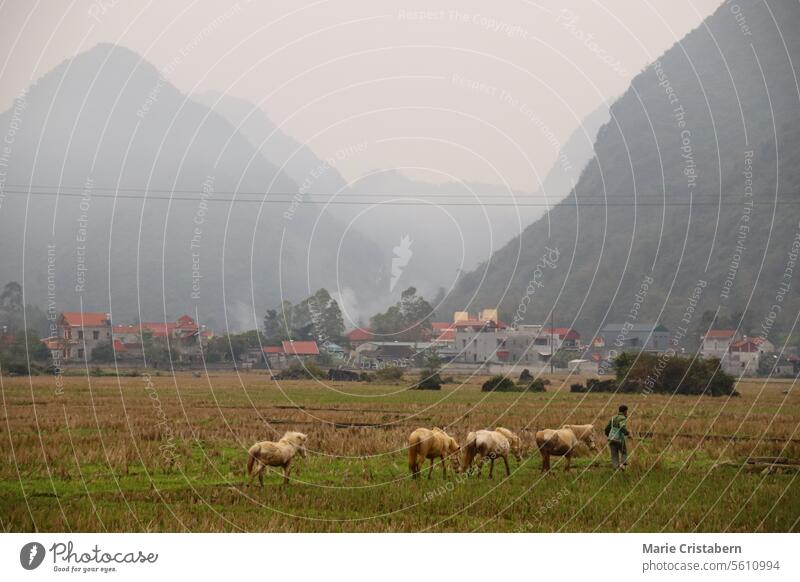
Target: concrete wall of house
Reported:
[(522, 346), (479, 346), (81, 341), (634, 340)]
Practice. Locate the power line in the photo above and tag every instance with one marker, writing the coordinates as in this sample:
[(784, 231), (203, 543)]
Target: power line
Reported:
[(334, 201), (61, 190)]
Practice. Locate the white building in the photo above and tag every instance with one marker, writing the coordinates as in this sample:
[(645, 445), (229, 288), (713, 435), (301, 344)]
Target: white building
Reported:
[(717, 343), (493, 342), (744, 356)]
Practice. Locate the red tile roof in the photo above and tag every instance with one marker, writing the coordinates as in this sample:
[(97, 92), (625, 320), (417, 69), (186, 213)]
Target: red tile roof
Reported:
[(746, 345), (86, 318), (273, 350), (301, 348), (184, 324), (562, 333), (359, 335), (186, 321), (443, 331), (720, 333), (125, 329)]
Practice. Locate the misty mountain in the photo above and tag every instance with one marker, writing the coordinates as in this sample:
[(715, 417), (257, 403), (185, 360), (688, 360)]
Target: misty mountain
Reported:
[(444, 228), (458, 225), (294, 159), (132, 210), (699, 135)]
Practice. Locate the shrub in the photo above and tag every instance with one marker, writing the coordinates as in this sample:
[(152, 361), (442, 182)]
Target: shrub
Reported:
[(103, 353), (20, 368), (595, 385), (302, 371), (671, 374), (663, 374), (428, 380), (537, 385), (389, 374), (499, 384)]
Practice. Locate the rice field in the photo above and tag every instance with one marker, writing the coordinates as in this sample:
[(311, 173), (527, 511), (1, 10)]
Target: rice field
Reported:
[(168, 453)]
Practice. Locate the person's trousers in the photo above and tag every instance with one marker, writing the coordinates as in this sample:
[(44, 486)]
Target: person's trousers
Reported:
[(619, 453)]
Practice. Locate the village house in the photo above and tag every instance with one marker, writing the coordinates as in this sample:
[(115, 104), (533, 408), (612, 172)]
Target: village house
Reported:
[(78, 334), (480, 341), (185, 337), (358, 336), (280, 356), (486, 339), (443, 333), (299, 351), (634, 337), (717, 343), (745, 355), (273, 356), (531, 344)]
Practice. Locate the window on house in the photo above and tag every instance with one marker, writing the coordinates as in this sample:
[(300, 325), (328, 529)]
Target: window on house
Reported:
[(96, 335), (80, 352), (80, 334)]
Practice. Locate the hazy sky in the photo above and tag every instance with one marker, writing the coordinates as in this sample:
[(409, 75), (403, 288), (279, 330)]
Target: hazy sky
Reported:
[(464, 89)]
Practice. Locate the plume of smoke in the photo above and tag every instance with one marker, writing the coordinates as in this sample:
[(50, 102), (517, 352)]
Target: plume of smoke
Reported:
[(402, 255)]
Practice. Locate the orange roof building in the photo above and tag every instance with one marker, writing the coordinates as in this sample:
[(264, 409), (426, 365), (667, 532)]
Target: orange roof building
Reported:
[(300, 348), (84, 319)]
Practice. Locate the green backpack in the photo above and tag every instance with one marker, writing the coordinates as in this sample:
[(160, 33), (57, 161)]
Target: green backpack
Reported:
[(615, 435)]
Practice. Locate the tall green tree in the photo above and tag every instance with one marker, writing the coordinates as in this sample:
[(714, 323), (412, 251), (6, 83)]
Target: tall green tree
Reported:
[(157, 351), (409, 319), (318, 317), (278, 323)]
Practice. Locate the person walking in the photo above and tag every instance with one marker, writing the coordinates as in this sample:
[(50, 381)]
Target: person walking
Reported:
[(616, 431)]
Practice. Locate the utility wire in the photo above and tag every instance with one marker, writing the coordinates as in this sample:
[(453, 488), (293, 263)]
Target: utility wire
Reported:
[(296, 198), (61, 190)]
